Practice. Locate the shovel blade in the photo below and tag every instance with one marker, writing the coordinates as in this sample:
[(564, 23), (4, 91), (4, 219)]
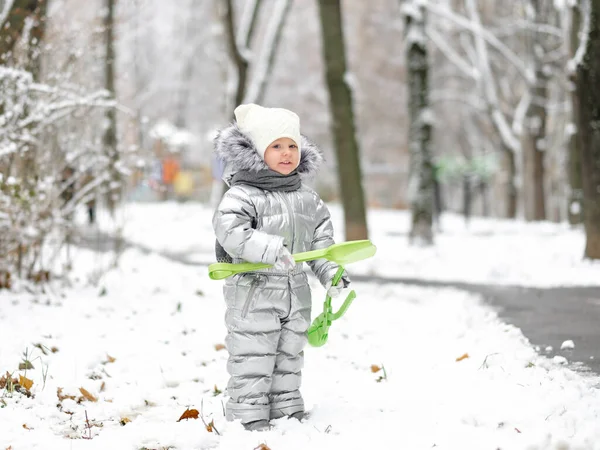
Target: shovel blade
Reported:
[(348, 252), (318, 332)]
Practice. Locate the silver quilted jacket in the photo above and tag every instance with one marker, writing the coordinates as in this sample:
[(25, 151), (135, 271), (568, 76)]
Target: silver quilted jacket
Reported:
[(268, 312)]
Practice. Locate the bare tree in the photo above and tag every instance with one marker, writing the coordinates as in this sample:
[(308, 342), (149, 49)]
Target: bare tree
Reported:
[(575, 189), (113, 186), (343, 121), (421, 181), (13, 24), (533, 137), (587, 59)]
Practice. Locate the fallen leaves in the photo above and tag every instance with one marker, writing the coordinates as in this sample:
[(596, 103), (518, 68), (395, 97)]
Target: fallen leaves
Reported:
[(26, 365), (7, 380), (62, 397), (219, 347), (461, 357), (25, 382), (22, 385), (109, 359), (124, 421), (87, 395), (210, 427), (262, 447), (189, 414), (375, 368)]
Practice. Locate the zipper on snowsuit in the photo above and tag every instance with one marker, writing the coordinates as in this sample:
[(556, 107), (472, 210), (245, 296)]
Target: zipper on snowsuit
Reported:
[(248, 302)]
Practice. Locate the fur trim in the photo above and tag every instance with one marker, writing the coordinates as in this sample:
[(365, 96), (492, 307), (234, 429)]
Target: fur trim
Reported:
[(238, 152)]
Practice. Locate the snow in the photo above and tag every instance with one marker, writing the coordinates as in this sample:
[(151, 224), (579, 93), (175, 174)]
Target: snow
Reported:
[(567, 345), (145, 342)]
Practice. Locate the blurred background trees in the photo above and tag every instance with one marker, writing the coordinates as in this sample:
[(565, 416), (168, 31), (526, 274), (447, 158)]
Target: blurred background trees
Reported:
[(473, 106)]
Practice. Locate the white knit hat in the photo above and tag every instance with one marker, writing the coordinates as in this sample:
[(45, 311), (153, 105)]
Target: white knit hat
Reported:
[(265, 125)]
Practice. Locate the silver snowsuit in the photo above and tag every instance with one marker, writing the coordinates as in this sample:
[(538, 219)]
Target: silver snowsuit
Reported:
[(268, 312)]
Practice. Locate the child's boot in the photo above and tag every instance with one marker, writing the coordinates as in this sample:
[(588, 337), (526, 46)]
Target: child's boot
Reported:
[(257, 425)]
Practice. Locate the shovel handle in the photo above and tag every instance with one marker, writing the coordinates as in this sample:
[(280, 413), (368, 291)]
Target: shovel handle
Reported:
[(219, 271), (340, 312)]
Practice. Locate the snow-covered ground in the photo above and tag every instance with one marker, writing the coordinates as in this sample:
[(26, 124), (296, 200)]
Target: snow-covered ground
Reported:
[(145, 343)]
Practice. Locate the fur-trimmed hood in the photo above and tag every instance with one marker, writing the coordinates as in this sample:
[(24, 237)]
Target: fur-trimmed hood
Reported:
[(238, 152)]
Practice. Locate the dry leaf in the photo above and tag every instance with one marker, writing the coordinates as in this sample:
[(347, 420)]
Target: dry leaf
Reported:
[(262, 447), (54, 349), (375, 368), (87, 395), (189, 414), (26, 427), (26, 365), (61, 397), (210, 426), (102, 386), (9, 447), (219, 347), (7, 379), (110, 359), (460, 358), (124, 421), (25, 382)]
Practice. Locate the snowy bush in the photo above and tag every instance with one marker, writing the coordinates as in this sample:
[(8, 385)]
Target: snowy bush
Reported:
[(51, 161)]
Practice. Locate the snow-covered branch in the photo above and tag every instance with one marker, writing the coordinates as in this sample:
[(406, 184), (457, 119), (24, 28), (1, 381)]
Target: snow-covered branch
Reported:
[(481, 33), (489, 85), (264, 64), (578, 56), (5, 12), (447, 50)]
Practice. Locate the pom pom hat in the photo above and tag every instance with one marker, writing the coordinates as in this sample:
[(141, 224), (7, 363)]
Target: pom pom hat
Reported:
[(265, 125)]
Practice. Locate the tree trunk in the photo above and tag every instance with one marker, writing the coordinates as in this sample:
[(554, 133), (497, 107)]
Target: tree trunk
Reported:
[(510, 168), (30, 169), (240, 55), (36, 39), (12, 28), (421, 184), (114, 184), (534, 130), (575, 197), (588, 88), (264, 66), (344, 130)]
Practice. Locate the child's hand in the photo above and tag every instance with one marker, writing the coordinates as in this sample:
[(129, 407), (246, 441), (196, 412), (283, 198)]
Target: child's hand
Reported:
[(285, 261), (335, 291)]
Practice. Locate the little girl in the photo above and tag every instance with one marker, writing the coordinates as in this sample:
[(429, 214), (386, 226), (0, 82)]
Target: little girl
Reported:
[(267, 215)]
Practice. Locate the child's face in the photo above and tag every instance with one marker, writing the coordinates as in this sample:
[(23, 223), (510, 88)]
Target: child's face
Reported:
[(282, 155)]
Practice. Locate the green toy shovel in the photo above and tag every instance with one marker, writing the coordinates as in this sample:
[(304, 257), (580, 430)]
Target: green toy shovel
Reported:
[(318, 332), (342, 254)]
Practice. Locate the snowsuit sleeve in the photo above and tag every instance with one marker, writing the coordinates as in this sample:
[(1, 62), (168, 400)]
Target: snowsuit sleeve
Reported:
[(233, 222), (323, 238)]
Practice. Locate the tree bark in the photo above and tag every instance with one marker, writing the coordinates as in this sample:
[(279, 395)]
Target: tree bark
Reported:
[(575, 197), (588, 88), (421, 183), (12, 28), (533, 141), (114, 184), (343, 124), (510, 166), (239, 55)]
